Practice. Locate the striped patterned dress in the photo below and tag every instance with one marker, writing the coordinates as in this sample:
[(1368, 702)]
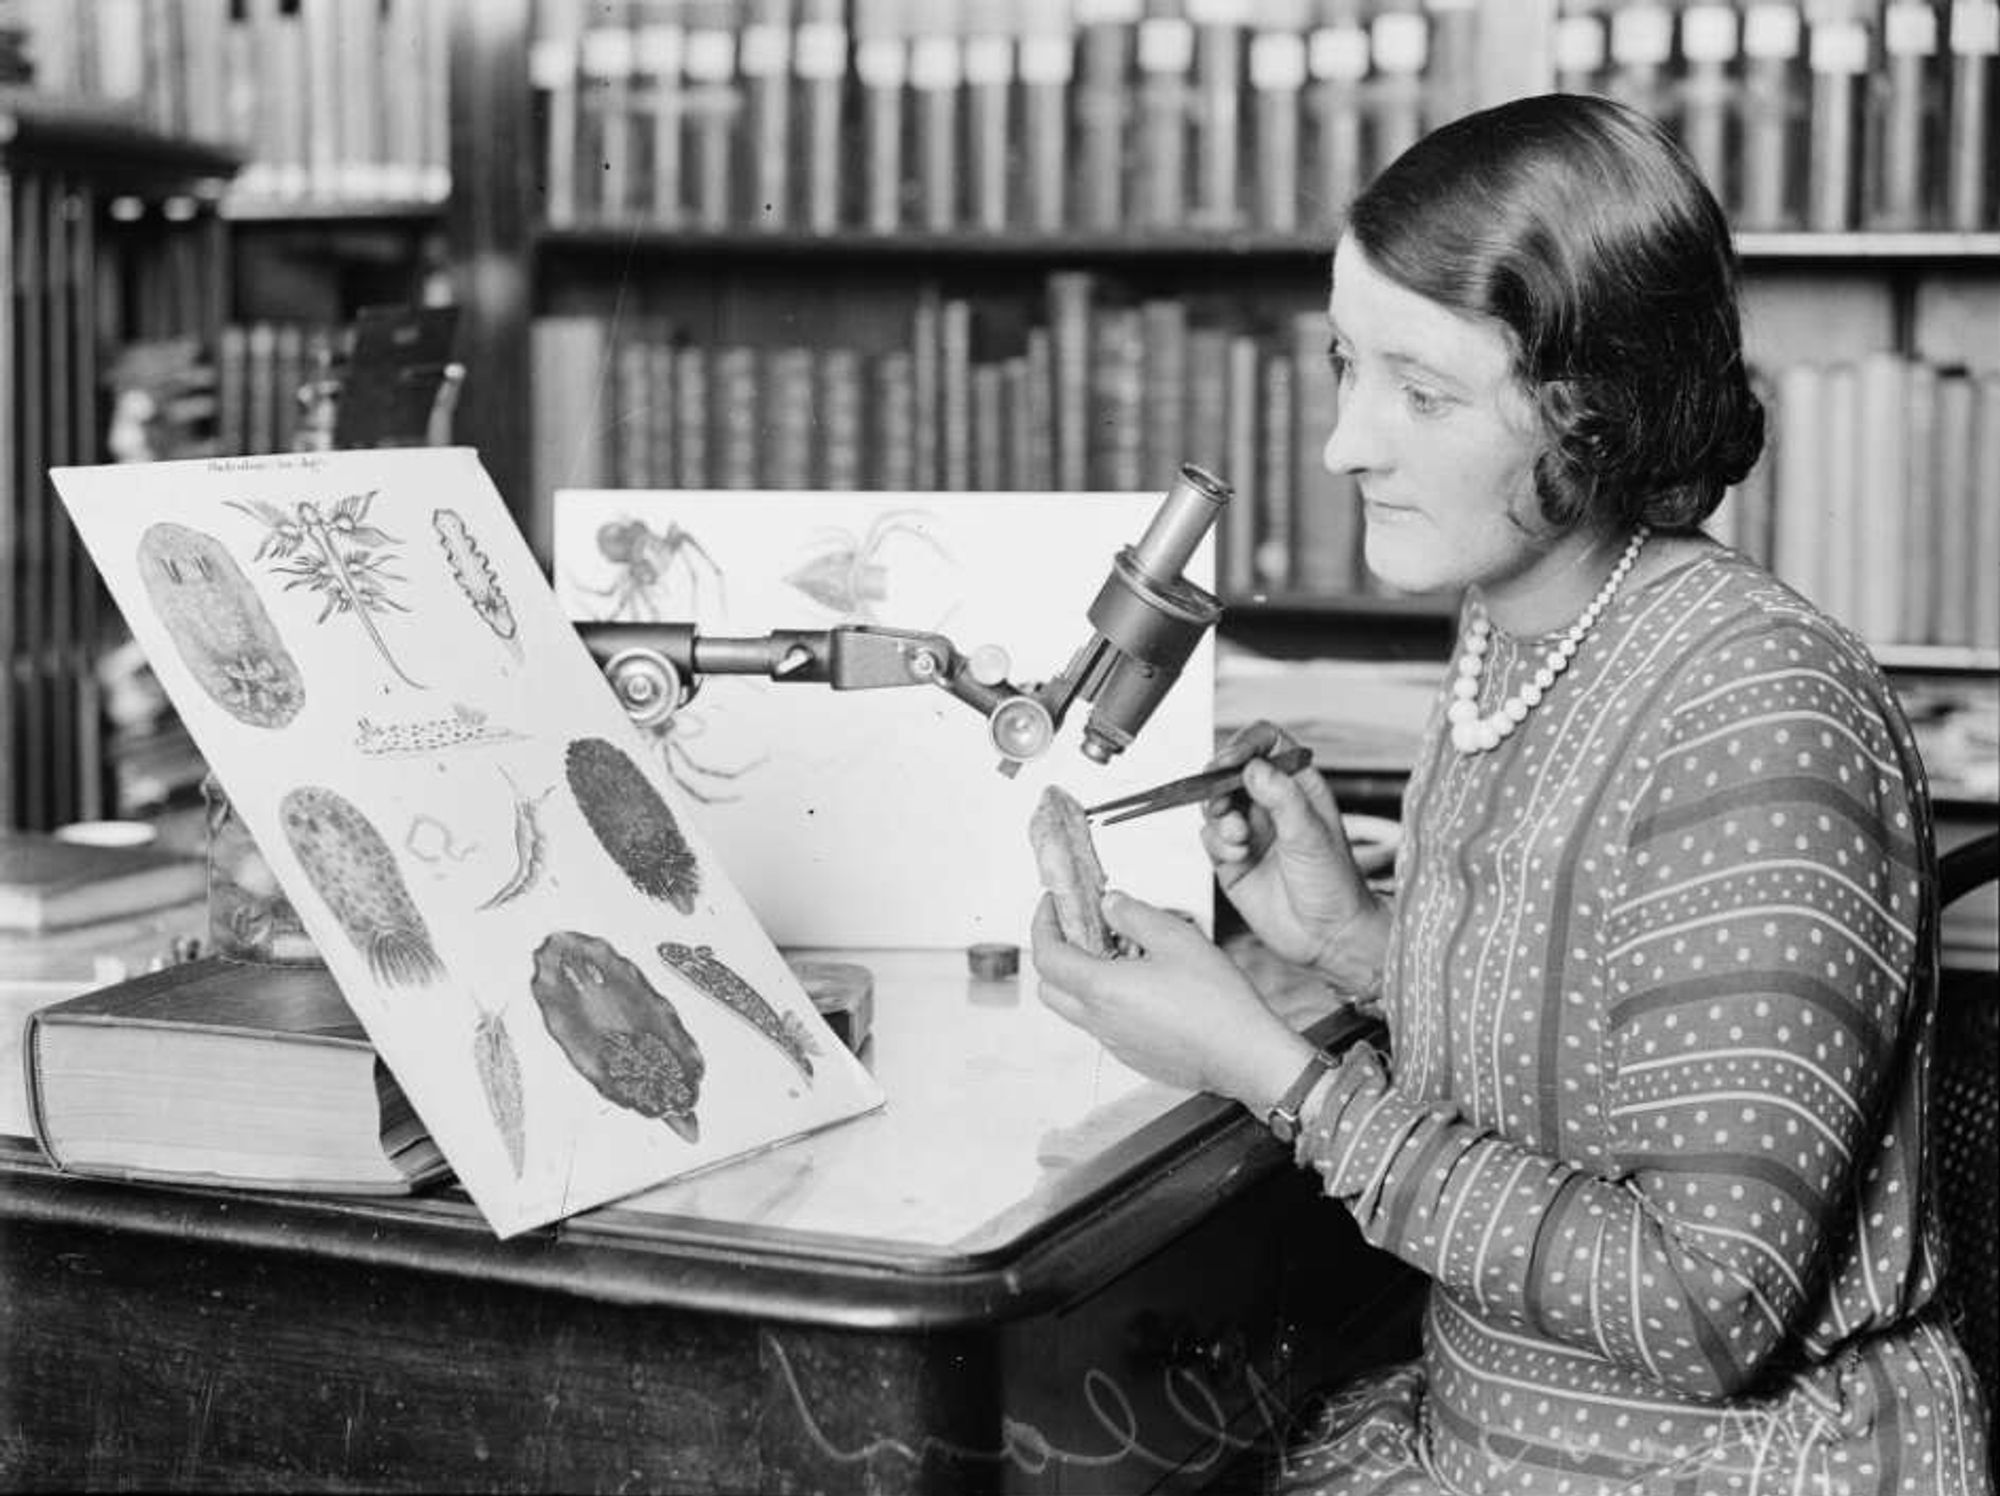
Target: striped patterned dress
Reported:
[(1659, 996)]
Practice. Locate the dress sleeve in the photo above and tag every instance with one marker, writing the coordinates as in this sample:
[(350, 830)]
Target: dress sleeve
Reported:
[(1759, 953)]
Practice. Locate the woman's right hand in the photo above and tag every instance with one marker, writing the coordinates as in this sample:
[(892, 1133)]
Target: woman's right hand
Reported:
[(1285, 862)]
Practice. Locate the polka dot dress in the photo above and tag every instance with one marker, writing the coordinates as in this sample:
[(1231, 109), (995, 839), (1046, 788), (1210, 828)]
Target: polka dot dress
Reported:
[(1659, 999)]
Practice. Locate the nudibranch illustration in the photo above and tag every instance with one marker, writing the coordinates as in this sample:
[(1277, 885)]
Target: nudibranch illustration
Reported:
[(352, 868), (475, 576), (219, 626), (633, 824), (710, 974), (618, 1030)]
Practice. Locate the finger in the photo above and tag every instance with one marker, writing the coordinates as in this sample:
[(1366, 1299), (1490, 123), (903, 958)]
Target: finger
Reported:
[(1152, 927), (1056, 960), (1257, 740), (1062, 1003), (1285, 799)]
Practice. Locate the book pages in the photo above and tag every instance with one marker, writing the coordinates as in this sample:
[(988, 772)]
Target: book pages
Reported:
[(519, 902), (879, 817)]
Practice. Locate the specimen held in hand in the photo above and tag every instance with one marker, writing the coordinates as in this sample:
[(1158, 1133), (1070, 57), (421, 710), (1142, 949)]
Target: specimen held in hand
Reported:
[(618, 1030)]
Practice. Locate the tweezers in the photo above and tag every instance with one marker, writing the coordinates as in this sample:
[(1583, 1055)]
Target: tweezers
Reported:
[(1195, 788)]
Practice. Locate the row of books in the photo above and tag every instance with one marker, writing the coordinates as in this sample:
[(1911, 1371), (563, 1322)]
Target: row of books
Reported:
[(1879, 496), (1852, 114), (1036, 115), (331, 100), (1099, 394)]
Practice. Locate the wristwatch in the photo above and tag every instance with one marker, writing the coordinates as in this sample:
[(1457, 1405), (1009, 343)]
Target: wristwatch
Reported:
[(1283, 1117)]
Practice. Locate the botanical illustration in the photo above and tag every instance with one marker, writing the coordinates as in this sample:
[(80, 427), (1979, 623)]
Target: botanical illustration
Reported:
[(633, 824), (473, 571), (219, 626), (465, 726), (618, 1030), (714, 976), (352, 869), (531, 846), (337, 554), (644, 562), (846, 573)]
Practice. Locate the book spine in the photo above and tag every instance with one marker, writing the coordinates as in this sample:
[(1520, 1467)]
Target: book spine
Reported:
[(1452, 79), (1837, 56), (1242, 523), (1218, 111), (882, 68), (739, 417), (364, 89), (989, 91), (1799, 449), (1642, 45), (660, 56), (1276, 440), (819, 57), (1163, 371), (1841, 498), (1579, 50), (1708, 92), (1041, 406), (1771, 41), (764, 63), (711, 100), (1881, 514), (632, 402), (1983, 554), (408, 72), (324, 50), (605, 120), (571, 359), (1206, 443), (1326, 506), (1117, 399), (553, 65), (1165, 56), (1070, 294), (895, 427), (1047, 69), (1017, 457), (1959, 507), (1922, 548), (692, 419), (661, 360), (791, 419), (1106, 30), (1277, 64), (1398, 45), (955, 394), (1902, 170), (937, 81), (842, 407), (989, 428), (1969, 146), (1337, 58)]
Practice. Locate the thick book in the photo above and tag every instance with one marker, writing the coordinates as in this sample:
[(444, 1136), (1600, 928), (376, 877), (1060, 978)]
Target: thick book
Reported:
[(216, 1072), (47, 883), (1974, 45)]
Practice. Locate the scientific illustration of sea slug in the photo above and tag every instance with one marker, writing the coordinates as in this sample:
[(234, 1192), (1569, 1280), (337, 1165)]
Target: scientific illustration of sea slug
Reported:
[(352, 868), (632, 823), (618, 1030), (708, 972), (219, 626), (475, 576)]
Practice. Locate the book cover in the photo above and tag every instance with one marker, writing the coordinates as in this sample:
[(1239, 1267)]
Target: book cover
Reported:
[(324, 50), (606, 120), (577, 1011), (1838, 534), (790, 398), (893, 422), (47, 883), (1642, 46), (1578, 47), (364, 84), (1451, 77), (664, 392), (989, 428), (218, 1072), (927, 386), (1219, 31), (1277, 78), (740, 435), (631, 414), (1017, 454), (1117, 401), (1206, 437), (1040, 438), (1163, 373)]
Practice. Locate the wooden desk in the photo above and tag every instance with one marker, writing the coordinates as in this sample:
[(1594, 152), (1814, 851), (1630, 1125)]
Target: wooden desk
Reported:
[(1030, 1272)]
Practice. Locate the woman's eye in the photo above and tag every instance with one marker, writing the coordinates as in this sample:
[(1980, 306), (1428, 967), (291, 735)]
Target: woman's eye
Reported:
[(1341, 364), (1425, 402)]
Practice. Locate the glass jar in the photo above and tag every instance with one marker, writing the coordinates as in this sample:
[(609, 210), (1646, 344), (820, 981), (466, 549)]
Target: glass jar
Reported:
[(249, 917)]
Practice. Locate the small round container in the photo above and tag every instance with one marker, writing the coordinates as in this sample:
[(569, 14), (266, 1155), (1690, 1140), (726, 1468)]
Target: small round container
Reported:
[(249, 917)]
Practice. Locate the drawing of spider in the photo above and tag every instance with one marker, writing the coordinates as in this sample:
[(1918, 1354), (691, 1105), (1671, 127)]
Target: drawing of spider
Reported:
[(704, 781), (845, 573), (643, 562)]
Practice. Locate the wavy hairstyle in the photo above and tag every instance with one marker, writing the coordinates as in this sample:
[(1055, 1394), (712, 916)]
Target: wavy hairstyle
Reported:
[(1583, 229)]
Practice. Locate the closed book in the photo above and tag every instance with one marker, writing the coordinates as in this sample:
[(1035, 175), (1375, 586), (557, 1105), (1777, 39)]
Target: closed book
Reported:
[(764, 61), (819, 62), (1959, 503), (1326, 506), (711, 104), (955, 394), (571, 357), (216, 1072), (1117, 400), (1106, 36), (1881, 517), (325, 55), (1451, 80), (1163, 375), (1017, 456), (1922, 548), (740, 434), (1165, 58), (1901, 157), (47, 883), (1218, 109), (1278, 69), (842, 408), (1974, 47), (1070, 296), (1983, 554), (1837, 55), (1768, 168), (1047, 66), (1276, 435), (692, 419), (882, 69), (1039, 397), (659, 66), (1709, 35), (791, 422), (1242, 520), (989, 93), (1642, 46), (662, 441), (926, 387), (553, 60), (1841, 498), (1798, 522), (364, 85), (1579, 47), (1205, 442), (1337, 59), (892, 422), (989, 428), (1398, 49), (632, 420), (409, 75), (937, 86)]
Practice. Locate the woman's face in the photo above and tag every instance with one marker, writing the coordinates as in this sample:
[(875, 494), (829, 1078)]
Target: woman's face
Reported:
[(1440, 436)]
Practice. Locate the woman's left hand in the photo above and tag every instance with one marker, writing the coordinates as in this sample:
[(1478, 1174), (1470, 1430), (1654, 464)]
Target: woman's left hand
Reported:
[(1181, 1012)]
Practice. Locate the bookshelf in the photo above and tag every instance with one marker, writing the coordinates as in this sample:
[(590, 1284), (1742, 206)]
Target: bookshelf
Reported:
[(111, 240)]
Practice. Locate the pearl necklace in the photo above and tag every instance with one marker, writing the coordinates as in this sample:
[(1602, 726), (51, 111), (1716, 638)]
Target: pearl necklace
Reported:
[(1472, 733)]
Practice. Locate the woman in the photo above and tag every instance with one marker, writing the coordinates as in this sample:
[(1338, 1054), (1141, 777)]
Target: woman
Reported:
[(1658, 976)]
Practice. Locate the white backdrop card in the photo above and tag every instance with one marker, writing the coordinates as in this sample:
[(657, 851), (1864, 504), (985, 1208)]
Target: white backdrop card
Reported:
[(521, 905), (879, 817)]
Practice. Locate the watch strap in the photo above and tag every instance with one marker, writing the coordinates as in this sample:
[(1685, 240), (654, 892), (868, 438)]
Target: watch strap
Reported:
[(1283, 1117)]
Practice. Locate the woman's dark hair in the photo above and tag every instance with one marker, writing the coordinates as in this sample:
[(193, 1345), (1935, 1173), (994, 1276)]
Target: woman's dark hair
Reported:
[(1580, 226)]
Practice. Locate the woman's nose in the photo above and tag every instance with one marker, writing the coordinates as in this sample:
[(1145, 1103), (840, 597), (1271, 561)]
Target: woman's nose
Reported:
[(1350, 446)]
